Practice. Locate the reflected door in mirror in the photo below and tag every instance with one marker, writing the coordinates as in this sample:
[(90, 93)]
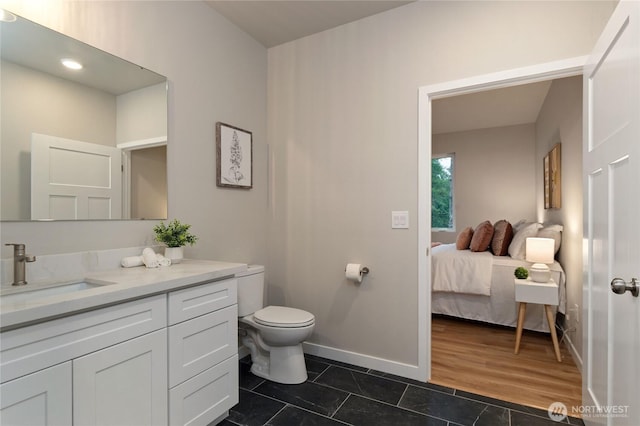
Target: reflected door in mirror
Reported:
[(74, 180)]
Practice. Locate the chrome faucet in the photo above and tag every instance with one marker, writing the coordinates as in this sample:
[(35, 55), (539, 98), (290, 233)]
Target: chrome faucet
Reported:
[(19, 262)]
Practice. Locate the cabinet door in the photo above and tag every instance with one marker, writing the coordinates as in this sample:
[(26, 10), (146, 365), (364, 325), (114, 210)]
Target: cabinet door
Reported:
[(125, 384), (41, 398)]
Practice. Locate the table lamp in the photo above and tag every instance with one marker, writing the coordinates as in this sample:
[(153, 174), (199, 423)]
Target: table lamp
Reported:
[(540, 252)]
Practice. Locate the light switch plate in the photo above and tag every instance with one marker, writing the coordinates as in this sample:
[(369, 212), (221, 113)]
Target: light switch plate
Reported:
[(400, 219)]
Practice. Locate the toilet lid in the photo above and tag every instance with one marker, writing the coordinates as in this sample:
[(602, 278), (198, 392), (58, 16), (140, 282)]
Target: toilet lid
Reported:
[(280, 316)]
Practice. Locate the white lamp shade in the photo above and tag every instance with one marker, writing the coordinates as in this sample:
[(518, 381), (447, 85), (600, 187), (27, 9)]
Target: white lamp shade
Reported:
[(540, 250)]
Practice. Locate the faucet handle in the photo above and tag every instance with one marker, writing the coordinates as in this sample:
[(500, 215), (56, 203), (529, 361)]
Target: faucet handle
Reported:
[(18, 249), (16, 246)]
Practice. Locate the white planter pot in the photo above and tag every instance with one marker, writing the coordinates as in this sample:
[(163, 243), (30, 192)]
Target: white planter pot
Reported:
[(175, 254)]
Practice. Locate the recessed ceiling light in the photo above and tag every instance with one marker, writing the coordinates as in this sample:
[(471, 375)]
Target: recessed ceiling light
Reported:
[(6, 16), (71, 64)]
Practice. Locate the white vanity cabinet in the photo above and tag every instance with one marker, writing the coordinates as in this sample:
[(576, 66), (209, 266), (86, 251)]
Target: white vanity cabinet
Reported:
[(203, 353), (165, 359), (40, 398), (123, 384), (87, 361)]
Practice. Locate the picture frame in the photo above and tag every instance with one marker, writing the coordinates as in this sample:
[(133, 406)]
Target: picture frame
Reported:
[(555, 177), (234, 155), (547, 182)]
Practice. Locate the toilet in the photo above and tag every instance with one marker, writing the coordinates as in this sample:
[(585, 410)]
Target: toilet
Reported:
[(273, 334)]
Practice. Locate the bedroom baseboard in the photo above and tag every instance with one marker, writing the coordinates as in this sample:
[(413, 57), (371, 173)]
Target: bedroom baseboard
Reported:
[(573, 351), (361, 360)]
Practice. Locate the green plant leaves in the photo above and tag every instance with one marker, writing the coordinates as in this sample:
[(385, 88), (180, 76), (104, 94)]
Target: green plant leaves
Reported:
[(175, 234)]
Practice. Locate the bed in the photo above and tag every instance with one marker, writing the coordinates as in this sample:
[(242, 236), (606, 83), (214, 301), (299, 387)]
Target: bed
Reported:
[(479, 286)]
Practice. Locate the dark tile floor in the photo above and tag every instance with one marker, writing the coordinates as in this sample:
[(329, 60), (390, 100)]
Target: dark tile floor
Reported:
[(343, 394)]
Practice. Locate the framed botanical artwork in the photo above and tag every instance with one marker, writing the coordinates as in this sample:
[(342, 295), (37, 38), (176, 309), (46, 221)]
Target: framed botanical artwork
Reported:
[(234, 154), (552, 179), (547, 183), (555, 177)]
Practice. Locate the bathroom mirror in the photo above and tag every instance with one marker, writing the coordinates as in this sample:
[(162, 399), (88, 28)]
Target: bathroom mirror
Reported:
[(88, 143)]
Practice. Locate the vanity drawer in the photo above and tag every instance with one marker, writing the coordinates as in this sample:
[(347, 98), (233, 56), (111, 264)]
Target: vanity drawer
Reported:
[(205, 397), (201, 343), (195, 301), (35, 347)]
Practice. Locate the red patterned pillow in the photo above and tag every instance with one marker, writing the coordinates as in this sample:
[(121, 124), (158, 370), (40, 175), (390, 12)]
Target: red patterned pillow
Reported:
[(464, 238), (482, 236), (502, 236)]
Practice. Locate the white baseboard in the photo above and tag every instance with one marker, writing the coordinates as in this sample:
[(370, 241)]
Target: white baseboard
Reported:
[(366, 361), (574, 353)]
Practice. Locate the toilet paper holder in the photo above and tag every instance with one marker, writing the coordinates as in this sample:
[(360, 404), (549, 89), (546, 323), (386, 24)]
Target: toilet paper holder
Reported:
[(364, 270)]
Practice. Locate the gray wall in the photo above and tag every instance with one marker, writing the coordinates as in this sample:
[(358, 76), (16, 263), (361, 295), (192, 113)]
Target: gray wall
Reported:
[(149, 183), (343, 141), (216, 72), (560, 120), (494, 175)]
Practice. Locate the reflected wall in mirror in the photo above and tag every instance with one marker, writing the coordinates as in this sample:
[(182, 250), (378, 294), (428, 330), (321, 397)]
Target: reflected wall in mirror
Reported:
[(109, 102)]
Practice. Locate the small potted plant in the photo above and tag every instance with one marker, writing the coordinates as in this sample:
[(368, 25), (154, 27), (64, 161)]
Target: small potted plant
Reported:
[(521, 273), (175, 235)]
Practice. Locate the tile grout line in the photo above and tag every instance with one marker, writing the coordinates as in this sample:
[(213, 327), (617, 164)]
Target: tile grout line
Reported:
[(321, 373), (406, 388), (339, 407), (279, 411)]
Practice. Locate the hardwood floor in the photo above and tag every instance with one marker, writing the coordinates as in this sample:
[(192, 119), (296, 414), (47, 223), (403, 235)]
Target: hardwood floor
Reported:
[(479, 358)]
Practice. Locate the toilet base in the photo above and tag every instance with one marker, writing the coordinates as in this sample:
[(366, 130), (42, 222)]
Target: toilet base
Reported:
[(283, 364)]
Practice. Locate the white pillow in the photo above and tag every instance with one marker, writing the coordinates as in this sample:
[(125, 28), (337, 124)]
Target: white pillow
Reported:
[(520, 224), (554, 232), (517, 248)]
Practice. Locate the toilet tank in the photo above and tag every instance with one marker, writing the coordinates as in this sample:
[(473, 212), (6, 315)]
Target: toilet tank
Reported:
[(250, 290)]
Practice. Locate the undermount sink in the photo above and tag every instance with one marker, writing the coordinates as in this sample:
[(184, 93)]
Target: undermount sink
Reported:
[(28, 294)]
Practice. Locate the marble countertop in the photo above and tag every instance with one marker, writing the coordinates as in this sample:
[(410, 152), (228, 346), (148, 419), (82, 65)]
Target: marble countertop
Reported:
[(116, 286)]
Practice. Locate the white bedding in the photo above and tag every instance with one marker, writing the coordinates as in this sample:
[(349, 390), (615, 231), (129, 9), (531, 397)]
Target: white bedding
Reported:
[(461, 271), (500, 307)]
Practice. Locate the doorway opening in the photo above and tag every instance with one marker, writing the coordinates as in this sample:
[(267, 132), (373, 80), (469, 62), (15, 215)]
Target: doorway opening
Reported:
[(427, 95)]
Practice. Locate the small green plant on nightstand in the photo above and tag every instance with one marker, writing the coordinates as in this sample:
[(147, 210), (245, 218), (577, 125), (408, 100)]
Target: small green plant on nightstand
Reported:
[(521, 273), (175, 234)]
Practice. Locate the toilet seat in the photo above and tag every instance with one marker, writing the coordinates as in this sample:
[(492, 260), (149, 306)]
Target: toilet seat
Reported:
[(283, 317)]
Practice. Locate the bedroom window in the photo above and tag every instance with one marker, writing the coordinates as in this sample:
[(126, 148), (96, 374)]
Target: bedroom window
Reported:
[(442, 214)]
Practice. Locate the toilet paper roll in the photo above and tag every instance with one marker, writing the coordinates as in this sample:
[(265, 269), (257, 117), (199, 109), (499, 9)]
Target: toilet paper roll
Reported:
[(354, 272)]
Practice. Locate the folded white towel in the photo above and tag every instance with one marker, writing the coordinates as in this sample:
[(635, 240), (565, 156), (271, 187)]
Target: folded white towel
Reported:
[(163, 261), (150, 258), (131, 261)]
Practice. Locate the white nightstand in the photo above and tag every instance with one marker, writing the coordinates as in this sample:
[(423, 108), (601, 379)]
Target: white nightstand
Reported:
[(546, 294)]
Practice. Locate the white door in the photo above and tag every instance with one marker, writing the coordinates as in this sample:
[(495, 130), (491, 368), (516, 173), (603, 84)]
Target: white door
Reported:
[(125, 384), (611, 371), (74, 180), (42, 398)]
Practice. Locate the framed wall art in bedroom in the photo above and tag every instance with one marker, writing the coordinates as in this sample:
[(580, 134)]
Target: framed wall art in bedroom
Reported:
[(552, 179), (555, 175), (547, 183)]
